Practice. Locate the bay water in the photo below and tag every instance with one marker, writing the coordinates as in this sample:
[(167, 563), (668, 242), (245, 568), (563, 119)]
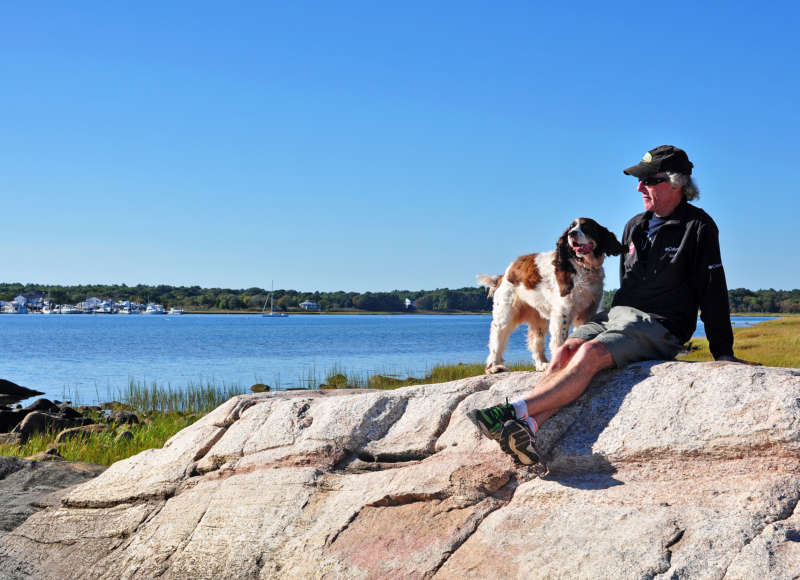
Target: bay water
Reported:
[(90, 358)]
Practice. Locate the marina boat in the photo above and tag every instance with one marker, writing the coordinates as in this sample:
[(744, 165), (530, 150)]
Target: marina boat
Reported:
[(68, 309), (154, 309), (175, 311), (272, 313)]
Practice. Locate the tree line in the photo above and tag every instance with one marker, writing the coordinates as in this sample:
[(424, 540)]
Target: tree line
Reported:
[(468, 299), (252, 299)]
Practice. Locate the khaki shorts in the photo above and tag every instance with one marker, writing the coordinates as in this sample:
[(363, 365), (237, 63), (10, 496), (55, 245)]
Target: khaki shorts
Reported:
[(630, 335)]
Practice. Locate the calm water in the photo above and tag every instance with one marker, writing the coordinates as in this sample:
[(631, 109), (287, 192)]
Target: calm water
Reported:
[(85, 358)]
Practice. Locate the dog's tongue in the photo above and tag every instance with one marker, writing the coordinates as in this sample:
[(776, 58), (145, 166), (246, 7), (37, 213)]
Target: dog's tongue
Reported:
[(584, 248)]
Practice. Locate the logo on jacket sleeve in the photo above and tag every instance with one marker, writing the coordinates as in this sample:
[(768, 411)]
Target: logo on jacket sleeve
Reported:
[(631, 249)]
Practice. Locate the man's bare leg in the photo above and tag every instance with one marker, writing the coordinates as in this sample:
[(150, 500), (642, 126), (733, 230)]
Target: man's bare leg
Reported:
[(563, 354), (514, 424), (579, 364)]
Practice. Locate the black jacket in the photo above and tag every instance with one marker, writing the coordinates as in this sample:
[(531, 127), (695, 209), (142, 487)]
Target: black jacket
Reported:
[(677, 274)]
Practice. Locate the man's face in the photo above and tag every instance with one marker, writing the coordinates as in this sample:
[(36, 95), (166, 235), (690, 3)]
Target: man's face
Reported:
[(660, 198)]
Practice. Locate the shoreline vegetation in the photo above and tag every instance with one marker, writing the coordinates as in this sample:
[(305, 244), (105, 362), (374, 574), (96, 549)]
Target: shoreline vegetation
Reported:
[(163, 411), (466, 300)]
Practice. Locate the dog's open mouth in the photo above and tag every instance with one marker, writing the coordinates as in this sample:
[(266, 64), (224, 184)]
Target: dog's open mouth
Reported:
[(583, 248)]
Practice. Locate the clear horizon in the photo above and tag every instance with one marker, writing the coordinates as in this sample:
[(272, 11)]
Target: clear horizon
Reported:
[(364, 147)]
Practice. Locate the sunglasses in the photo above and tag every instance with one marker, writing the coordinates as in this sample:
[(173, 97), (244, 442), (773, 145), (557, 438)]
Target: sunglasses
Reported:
[(653, 180)]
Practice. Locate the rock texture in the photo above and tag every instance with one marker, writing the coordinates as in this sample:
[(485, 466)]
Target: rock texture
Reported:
[(671, 470), (27, 486)]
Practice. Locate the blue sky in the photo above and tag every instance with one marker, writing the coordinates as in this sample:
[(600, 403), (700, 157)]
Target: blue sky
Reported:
[(378, 146)]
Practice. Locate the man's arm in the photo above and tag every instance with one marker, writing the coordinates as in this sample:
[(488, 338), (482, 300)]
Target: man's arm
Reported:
[(712, 291)]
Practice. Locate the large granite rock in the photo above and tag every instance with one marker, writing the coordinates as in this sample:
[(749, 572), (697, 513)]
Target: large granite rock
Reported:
[(671, 470)]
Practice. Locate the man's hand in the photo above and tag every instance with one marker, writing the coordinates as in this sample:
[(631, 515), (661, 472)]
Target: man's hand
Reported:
[(733, 359)]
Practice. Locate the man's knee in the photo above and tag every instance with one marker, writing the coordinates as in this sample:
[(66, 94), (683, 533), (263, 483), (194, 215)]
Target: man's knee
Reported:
[(571, 345), (594, 353)]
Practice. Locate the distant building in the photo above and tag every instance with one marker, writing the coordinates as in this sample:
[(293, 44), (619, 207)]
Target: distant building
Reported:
[(308, 305), (410, 304)]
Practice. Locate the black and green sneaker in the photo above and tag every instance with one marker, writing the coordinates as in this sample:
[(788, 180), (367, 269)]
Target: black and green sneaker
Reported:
[(490, 420), (517, 439)]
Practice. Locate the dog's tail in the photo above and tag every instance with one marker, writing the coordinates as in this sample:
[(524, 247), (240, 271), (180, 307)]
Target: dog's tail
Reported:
[(491, 282)]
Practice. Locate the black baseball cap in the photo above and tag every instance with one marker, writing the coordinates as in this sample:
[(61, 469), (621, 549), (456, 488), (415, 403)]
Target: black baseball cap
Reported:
[(662, 158)]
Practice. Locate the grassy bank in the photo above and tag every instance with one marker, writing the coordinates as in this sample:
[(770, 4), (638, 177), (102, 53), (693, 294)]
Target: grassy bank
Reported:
[(162, 412), (772, 343), (105, 448)]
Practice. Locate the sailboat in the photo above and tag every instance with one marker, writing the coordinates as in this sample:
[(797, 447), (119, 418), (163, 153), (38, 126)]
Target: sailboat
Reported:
[(272, 313)]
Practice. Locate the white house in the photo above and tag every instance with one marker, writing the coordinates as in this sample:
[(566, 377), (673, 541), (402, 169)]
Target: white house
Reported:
[(410, 303), (308, 305)]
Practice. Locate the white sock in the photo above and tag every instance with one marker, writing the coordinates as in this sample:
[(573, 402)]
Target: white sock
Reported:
[(520, 409), (521, 412)]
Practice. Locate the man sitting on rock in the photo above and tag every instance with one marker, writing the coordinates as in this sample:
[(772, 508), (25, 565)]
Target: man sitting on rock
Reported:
[(672, 269)]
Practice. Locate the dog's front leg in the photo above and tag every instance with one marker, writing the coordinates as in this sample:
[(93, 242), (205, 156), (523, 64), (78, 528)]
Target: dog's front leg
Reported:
[(559, 329), (502, 325)]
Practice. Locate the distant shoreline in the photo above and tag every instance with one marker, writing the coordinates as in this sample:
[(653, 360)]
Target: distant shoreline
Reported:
[(341, 312)]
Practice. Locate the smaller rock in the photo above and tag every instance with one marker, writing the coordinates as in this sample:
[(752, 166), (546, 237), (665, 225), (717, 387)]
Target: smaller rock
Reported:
[(44, 405), (10, 419), (70, 413), (82, 431), (260, 388), (51, 454), (11, 392), (38, 422), (123, 436), (122, 418)]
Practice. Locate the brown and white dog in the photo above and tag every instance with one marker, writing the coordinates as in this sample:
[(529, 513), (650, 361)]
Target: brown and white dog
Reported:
[(564, 286)]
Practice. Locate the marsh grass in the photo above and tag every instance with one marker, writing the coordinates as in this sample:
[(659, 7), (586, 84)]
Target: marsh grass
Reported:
[(340, 377), (773, 343), (193, 398), (163, 411), (104, 448)]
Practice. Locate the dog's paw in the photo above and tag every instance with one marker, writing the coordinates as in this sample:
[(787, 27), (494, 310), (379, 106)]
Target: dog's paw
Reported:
[(541, 366), (495, 368)]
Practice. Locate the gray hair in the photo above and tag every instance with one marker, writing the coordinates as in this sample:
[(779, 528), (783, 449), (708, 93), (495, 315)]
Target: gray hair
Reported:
[(687, 185)]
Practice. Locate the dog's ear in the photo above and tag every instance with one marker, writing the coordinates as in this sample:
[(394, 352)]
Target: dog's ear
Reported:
[(563, 264), (609, 244)]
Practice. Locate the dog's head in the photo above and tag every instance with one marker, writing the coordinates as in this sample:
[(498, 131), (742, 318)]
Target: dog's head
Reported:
[(585, 243), (585, 236)]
